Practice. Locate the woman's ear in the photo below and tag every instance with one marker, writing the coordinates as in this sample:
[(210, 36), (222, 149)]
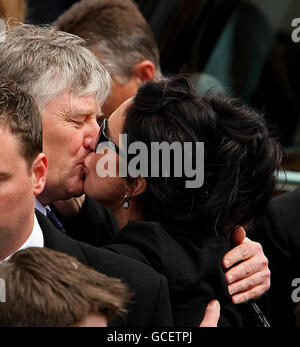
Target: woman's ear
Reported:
[(39, 169), (137, 187)]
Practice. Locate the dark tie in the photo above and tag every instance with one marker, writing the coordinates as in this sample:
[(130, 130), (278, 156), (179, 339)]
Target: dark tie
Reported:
[(54, 220)]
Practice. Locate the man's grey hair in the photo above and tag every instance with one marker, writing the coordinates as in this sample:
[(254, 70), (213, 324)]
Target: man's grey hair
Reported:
[(46, 62)]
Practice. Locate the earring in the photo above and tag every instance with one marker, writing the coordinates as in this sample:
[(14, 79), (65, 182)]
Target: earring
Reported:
[(126, 203)]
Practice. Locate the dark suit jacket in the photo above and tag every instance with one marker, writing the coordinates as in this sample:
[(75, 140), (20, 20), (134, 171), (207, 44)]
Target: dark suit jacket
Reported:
[(279, 234), (150, 304), (193, 270)]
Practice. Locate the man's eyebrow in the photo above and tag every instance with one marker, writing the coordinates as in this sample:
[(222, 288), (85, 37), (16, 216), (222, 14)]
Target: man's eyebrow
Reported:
[(84, 112), (75, 112), (81, 113)]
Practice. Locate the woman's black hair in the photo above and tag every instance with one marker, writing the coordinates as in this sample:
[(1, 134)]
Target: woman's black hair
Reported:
[(240, 156)]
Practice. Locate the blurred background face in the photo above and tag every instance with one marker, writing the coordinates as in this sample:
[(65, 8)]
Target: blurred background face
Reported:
[(69, 130), (120, 92), (16, 186), (108, 190)]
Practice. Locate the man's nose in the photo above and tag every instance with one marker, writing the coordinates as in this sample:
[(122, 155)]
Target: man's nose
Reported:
[(90, 138)]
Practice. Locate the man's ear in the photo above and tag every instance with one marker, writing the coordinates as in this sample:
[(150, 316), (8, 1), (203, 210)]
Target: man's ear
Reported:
[(39, 170), (138, 186), (144, 71)]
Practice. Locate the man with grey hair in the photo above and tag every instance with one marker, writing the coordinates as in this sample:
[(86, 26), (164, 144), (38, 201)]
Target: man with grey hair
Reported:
[(69, 86)]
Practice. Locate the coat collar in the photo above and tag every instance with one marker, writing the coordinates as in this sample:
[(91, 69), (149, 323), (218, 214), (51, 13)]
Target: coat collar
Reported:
[(58, 241)]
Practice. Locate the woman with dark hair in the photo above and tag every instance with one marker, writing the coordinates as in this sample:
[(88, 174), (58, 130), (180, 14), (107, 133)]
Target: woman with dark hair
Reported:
[(184, 232)]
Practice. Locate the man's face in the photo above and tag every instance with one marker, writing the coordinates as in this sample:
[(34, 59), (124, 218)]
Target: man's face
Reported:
[(16, 186), (70, 129)]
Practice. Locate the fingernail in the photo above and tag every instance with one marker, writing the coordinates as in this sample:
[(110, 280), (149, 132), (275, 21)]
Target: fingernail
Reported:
[(214, 304), (236, 300), (226, 263), (230, 290), (229, 278)]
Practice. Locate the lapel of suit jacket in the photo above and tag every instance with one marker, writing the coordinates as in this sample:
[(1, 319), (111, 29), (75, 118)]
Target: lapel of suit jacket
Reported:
[(57, 240)]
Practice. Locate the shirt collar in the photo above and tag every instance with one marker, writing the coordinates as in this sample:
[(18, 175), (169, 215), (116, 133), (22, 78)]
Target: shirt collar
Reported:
[(35, 239), (40, 207)]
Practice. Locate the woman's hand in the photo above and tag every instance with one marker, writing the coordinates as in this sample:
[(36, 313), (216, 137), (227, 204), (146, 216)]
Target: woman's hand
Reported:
[(70, 208), (212, 315)]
